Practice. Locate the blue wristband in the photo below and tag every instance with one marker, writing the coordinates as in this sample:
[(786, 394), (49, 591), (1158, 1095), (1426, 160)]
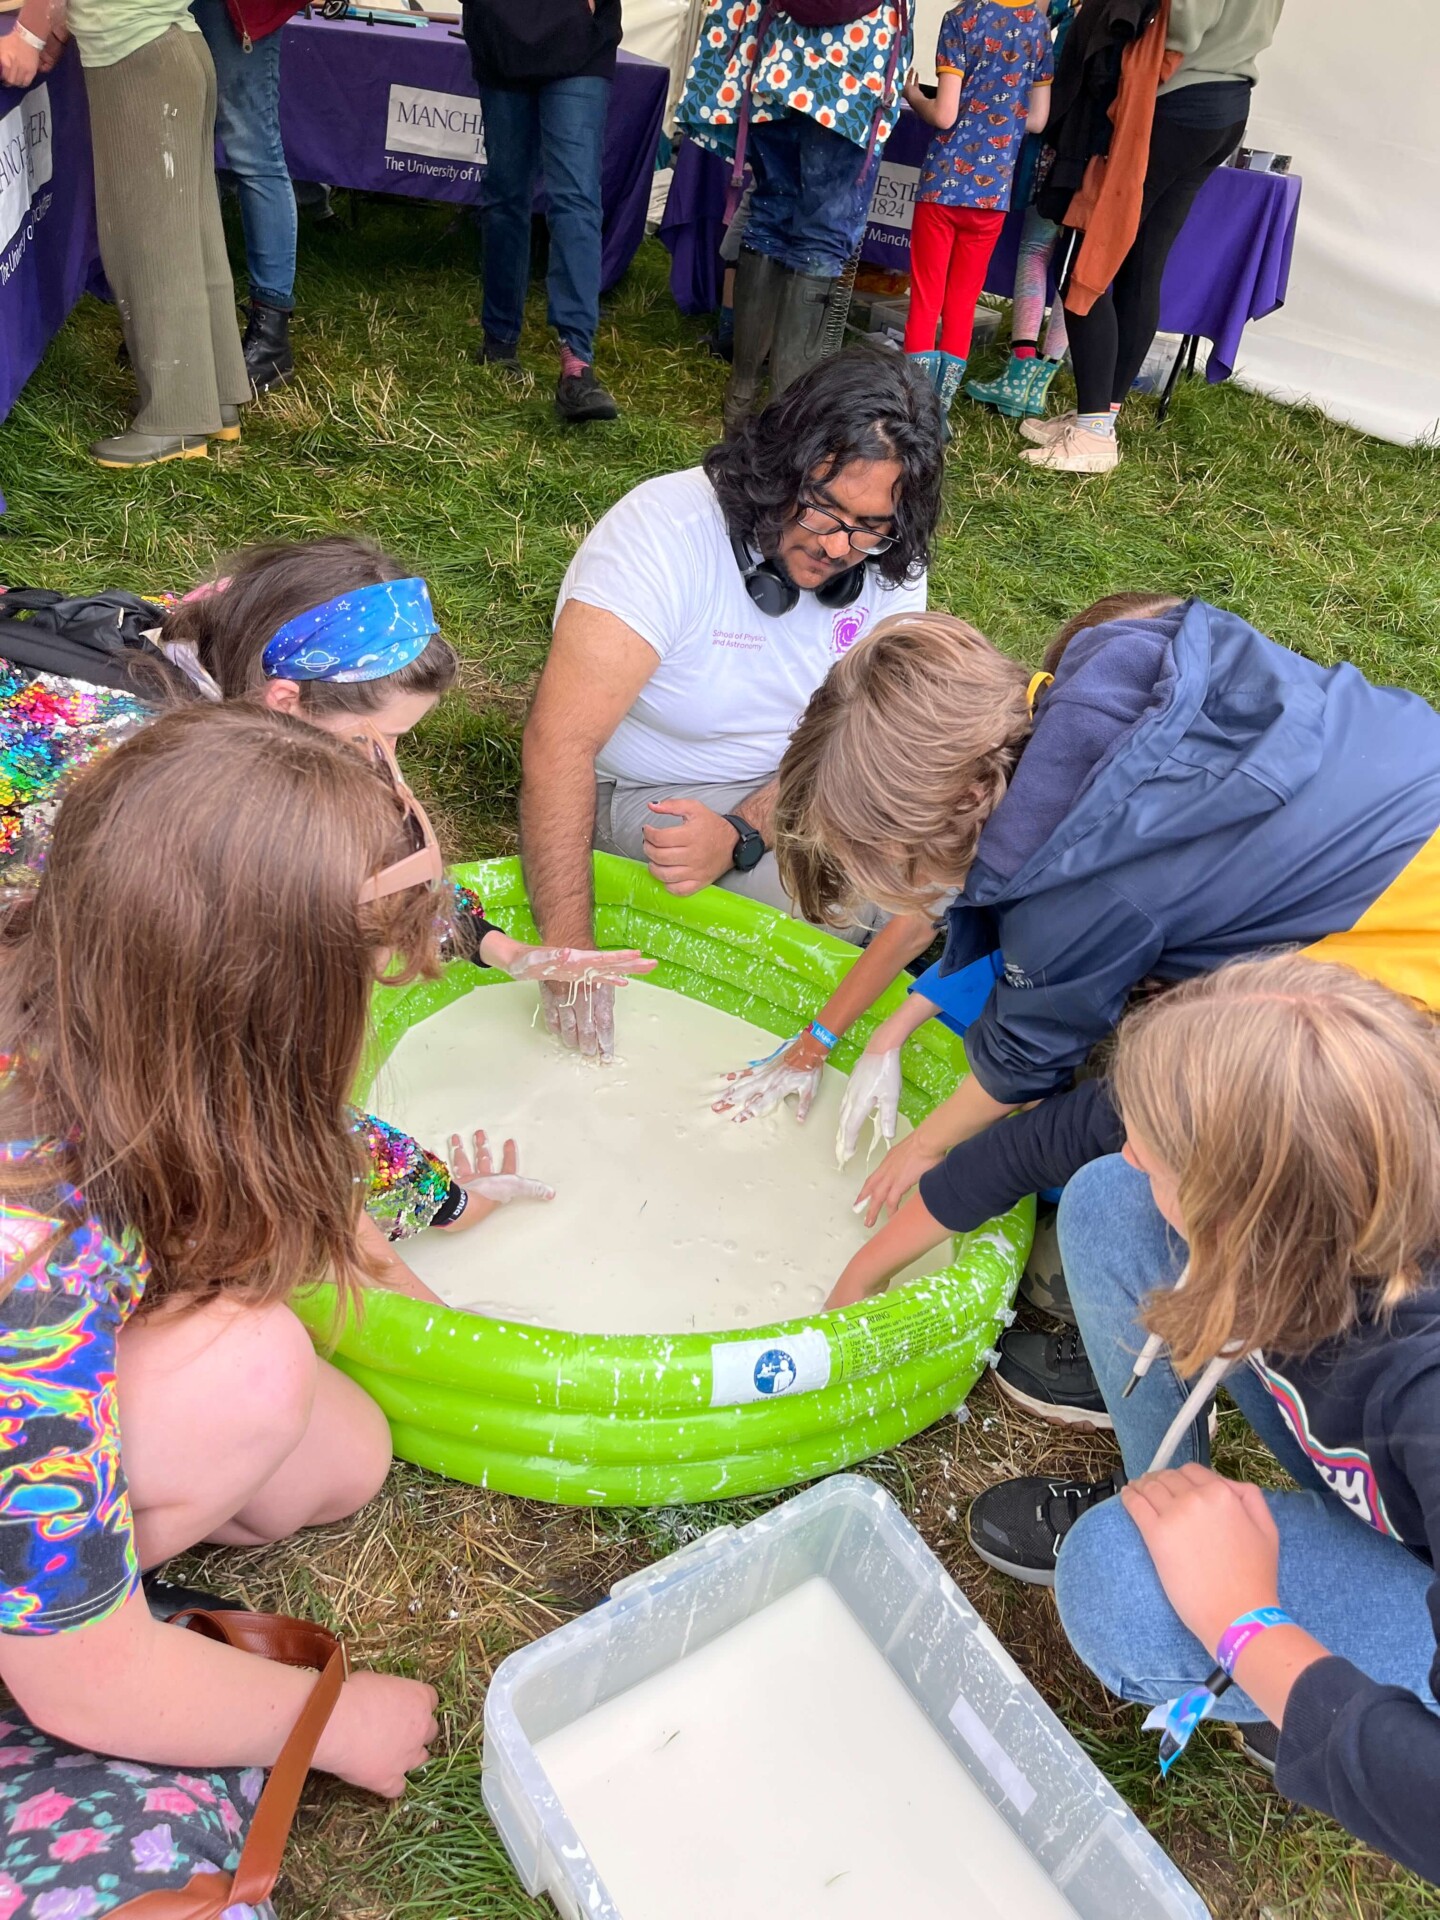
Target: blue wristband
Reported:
[(827, 1039)]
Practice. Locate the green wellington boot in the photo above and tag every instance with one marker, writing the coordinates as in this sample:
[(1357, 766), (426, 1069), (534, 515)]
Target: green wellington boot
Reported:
[(800, 328), (759, 282), (1020, 391), (948, 376)]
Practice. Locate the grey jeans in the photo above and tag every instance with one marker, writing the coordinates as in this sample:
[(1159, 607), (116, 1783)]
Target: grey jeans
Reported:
[(622, 813)]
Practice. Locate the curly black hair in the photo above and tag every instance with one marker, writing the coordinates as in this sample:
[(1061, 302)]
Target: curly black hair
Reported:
[(864, 403)]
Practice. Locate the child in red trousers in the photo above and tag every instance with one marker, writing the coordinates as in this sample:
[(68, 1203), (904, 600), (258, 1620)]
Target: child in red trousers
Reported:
[(994, 66)]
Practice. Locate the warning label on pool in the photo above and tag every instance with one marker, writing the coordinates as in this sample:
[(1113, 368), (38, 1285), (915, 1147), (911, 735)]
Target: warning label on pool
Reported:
[(887, 1340), (770, 1369)]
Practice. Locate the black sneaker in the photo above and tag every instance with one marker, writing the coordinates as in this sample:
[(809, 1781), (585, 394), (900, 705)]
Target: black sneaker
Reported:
[(1049, 1375), (1260, 1742), (580, 396), (502, 355), (1017, 1527), (165, 1599)]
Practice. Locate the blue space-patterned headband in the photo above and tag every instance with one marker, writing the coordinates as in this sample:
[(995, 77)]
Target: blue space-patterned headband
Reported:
[(366, 634)]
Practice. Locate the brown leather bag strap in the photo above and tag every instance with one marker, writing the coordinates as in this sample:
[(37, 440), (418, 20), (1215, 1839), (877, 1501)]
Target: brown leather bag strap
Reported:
[(296, 1643)]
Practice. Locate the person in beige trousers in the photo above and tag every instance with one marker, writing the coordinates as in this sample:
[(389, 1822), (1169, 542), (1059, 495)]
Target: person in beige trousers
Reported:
[(151, 87)]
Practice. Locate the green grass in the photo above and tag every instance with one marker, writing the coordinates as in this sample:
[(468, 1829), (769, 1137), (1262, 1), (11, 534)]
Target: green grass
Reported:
[(1325, 539)]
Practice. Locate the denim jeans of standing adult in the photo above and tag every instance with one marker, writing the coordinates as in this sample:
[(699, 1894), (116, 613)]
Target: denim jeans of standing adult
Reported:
[(812, 193), (247, 120), (557, 130), (1361, 1594)]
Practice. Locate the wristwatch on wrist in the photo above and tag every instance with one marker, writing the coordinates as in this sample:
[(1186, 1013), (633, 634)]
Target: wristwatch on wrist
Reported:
[(749, 844)]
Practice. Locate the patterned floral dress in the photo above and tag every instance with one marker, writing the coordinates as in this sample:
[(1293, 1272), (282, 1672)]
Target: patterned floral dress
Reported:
[(834, 75)]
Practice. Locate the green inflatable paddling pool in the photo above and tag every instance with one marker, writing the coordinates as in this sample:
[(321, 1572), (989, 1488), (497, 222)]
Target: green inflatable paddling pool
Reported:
[(652, 1420)]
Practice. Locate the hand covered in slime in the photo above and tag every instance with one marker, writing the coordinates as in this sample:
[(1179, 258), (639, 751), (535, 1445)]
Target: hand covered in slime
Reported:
[(896, 1174), (795, 1067), (577, 987), (475, 1172), (873, 1088)]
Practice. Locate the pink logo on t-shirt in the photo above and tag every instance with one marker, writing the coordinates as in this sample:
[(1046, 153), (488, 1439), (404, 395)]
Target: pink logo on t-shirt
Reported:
[(848, 627)]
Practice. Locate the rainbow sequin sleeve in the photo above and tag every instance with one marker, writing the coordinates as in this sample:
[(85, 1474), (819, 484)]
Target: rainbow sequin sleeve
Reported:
[(67, 1540), (408, 1186)]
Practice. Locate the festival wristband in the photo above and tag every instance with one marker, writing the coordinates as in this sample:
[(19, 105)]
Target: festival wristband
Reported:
[(1238, 1635), (827, 1039), (31, 39), (1176, 1720)]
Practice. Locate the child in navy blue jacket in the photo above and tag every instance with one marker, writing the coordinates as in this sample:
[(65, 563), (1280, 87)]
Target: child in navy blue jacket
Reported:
[(1181, 792)]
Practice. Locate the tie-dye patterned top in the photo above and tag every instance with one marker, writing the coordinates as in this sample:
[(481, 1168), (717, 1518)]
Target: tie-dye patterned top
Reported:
[(67, 1543)]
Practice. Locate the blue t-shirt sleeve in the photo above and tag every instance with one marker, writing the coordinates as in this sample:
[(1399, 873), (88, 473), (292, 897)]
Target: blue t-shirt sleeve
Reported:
[(67, 1540), (1044, 59), (952, 52)]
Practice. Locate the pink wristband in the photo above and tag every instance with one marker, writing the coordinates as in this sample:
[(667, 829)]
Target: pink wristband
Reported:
[(1238, 1635)]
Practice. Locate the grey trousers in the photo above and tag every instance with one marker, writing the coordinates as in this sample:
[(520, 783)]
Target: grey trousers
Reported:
[(152, 125), (622, 813)]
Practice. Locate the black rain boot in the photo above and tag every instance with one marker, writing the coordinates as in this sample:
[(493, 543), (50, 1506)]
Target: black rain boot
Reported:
[(268, 359), (759, 283), (800, 328)]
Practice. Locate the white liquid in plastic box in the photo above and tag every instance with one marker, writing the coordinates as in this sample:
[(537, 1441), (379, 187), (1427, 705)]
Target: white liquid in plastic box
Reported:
[(667, 1217), (783, 1770)]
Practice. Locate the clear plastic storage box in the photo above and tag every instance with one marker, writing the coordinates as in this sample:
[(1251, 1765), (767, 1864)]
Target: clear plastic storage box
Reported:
[(848, 1532)]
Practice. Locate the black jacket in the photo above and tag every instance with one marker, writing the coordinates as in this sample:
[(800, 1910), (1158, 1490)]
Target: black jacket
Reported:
[(1086, 78), (523, 44)]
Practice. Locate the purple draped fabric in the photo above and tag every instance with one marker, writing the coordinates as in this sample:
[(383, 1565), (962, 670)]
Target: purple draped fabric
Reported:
[(48, 251), (389, 109), (1230, 264)]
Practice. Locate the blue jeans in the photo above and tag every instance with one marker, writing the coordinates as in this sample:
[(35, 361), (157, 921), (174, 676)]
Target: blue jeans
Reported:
[(812, 193), (558, 129), (1362, 1595), (247, 120)]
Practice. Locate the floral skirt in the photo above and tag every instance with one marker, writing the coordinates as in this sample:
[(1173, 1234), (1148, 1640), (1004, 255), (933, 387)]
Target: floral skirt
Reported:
[(82, 1834)]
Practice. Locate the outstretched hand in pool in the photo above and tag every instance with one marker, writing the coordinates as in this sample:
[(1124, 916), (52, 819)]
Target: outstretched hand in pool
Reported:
[(794, 1068), (577, 992), (487, 1187)]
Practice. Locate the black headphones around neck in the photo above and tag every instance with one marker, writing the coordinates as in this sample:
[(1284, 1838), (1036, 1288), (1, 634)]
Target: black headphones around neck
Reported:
[(775, 595)]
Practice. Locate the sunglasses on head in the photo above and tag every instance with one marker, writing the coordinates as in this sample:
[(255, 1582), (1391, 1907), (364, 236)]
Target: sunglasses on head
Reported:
[(423, 867)]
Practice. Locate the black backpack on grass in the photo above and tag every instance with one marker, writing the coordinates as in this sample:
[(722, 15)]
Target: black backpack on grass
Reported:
[(100, 638)]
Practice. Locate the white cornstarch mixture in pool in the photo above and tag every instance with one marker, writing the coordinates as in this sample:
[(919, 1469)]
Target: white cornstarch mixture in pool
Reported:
[(667, 1217), (783, 1770)]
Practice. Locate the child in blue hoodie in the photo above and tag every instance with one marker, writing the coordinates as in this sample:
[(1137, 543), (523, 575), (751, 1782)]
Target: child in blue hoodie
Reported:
[(1181, 791)]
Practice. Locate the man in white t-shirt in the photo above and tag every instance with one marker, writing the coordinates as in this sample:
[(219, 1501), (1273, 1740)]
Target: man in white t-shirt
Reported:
[(693, 626)]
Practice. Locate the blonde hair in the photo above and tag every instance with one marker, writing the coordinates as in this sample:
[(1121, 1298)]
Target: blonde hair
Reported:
[(1298, 1106), (902, 755)]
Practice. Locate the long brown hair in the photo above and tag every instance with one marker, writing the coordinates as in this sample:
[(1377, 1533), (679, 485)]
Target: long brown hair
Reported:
[(186, 997), (902, 755), (267, 585), (1298, 1105)]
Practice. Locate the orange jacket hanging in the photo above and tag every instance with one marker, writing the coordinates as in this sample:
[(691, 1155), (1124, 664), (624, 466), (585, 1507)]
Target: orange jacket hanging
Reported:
[(1107, 206)]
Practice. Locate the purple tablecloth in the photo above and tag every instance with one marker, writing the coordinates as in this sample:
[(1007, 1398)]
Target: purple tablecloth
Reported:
[(48, 250), (395, 110), (1230, 264)]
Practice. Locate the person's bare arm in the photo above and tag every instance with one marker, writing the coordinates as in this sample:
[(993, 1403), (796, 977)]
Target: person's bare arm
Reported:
[(392, 1275), (941, 112), (1037, 117), (133, 1686), (595, 671), (702, 848)]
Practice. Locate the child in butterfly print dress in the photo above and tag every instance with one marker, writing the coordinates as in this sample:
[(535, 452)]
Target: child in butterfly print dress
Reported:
[(994, 65)]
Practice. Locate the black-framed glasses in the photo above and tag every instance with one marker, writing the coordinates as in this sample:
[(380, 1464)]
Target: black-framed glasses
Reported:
[(821, 521)]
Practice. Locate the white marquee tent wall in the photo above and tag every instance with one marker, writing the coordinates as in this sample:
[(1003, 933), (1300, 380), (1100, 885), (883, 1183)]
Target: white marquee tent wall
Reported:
[(1359, 335)]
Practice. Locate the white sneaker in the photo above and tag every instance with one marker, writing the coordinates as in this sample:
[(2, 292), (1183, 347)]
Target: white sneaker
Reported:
[(1041, 432), (1076, 450)]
